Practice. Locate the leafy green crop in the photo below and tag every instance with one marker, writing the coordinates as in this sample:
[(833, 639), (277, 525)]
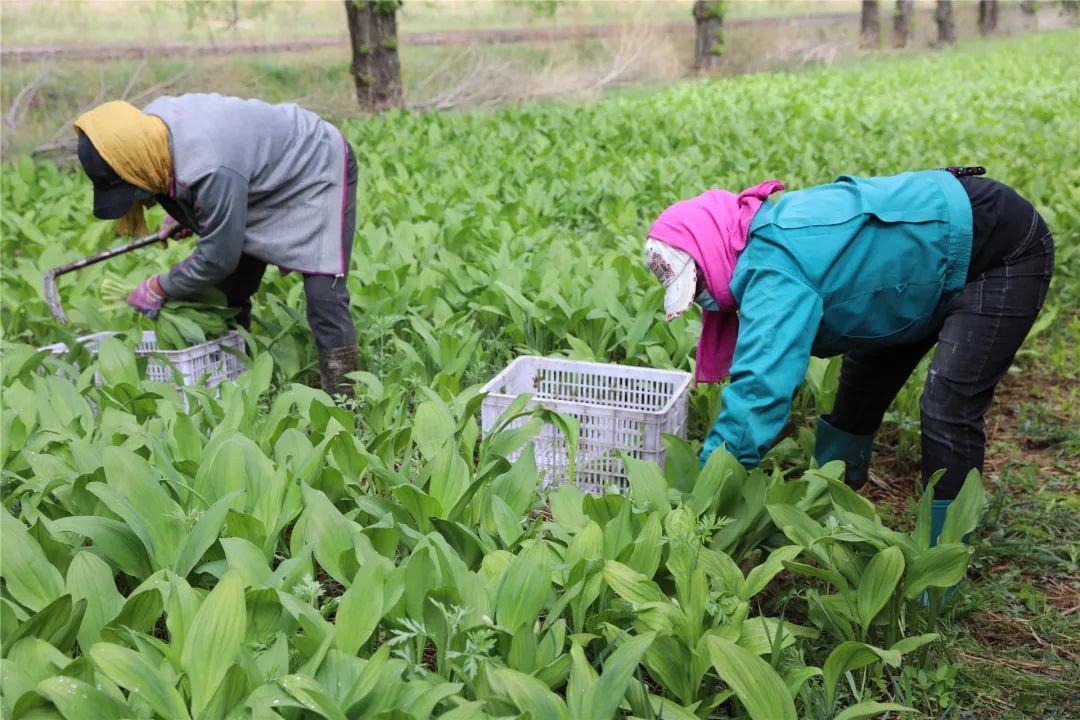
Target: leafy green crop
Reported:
[(258, 551), (182, 322)]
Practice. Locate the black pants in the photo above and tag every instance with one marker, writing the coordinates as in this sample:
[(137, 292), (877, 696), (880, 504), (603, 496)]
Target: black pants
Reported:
[(1011, 264), (327, 296)]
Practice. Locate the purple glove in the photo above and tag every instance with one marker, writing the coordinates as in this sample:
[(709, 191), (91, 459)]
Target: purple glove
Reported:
[(171, 228), (148, 297)]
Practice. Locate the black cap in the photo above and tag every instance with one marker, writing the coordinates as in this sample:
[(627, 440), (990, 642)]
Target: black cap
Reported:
[(112, 194)]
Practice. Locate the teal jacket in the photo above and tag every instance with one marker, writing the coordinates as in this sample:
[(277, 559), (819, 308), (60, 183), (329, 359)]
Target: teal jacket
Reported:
[(858, 263)]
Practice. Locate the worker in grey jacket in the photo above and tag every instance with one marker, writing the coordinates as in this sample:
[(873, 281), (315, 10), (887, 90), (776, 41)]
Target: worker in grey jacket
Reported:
[(259, 184)]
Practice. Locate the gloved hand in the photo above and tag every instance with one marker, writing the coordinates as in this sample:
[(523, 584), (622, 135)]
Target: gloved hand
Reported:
[(171, 228), (148, 297)]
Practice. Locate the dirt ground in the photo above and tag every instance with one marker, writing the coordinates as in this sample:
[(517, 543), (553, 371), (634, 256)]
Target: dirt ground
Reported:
[(1015, 632)]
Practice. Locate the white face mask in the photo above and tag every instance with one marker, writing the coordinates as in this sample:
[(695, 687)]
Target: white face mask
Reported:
[(705, 300)]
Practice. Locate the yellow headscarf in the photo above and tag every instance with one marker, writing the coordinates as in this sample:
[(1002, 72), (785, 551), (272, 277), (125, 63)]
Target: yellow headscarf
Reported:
[(136, 146)]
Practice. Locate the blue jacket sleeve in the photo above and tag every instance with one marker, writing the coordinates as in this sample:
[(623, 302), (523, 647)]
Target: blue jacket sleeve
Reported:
[(779, 317)]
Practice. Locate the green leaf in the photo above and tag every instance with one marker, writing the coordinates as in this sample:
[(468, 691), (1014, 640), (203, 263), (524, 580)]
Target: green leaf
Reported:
[(940, 566), (847, 499), (76, 699), (449, 478), (360, 609), (851, 655), (923, 517), (760, 690), (90, 578), (312, 696), (648, 489), (914, 642), (230, 692), (582, 679), (31, 578), (528, 694), (759, 634), (214, 639), (135, 492), (116, 362), (57, 623), (871, 708), (132, 672), (524, 589), (248, 560), (602, 699), (965, 511), (878, 584), (203, 535), (797, 677), (632, 585), (797, 525), (719, 484), (433, 428), (111, 538), (760, 576)]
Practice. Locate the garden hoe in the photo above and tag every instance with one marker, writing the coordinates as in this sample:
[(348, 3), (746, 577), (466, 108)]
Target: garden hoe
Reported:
[(52, 296)]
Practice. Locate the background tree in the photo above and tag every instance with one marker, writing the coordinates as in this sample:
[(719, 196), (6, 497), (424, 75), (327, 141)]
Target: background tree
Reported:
[(1027, 7), (709, 45), (946, 24), (988, 16), (870, 25), (903, 15), (375, 68)]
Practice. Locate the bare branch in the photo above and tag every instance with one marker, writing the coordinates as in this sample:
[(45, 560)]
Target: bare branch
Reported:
[(25, 97), (156, 88), (134, 78), (59, 143)]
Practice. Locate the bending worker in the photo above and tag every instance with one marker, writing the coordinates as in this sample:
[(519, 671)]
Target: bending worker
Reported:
[(259, 184), (878, 269)]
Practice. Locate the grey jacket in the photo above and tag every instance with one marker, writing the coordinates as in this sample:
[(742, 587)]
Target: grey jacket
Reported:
[(253, 178)]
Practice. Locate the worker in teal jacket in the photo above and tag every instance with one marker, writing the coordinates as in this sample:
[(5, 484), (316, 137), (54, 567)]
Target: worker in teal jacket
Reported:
[(877, 269)]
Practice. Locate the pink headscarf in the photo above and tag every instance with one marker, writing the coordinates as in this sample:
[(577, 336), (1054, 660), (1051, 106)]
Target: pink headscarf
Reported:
[(712, 229)]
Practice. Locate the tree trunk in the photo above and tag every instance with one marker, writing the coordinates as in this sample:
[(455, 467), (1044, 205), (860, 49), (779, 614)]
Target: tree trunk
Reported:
[(709, 45), (901, 22), (988, 16), (375, 68), (869, 25), (946, 25)]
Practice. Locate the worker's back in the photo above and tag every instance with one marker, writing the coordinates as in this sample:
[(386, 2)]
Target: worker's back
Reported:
[(293, 162), (883, 254)]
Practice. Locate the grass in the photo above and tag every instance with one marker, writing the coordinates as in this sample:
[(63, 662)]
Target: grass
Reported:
[(83, 21), (468, 76), (1014, 637)]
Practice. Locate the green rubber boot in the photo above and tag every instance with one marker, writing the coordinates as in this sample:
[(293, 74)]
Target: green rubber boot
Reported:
[(938, 508), (832, 443), (937, 519)]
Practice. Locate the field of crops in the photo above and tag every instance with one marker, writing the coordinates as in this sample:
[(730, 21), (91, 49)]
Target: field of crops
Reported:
[(267, 553)]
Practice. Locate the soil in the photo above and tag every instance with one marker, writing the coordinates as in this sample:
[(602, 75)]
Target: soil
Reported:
[(893, 481)]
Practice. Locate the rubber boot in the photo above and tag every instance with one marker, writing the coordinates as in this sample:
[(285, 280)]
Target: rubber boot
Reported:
[(937, 519), (334, 364), (938, 508), (832, 443)]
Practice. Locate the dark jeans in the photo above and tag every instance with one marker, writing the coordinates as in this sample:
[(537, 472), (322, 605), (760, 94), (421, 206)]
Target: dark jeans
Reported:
[(1012, 261), (327, 296)]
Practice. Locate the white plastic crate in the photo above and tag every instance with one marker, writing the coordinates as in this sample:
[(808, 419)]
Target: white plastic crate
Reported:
[(620, 408), (207, 360)]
